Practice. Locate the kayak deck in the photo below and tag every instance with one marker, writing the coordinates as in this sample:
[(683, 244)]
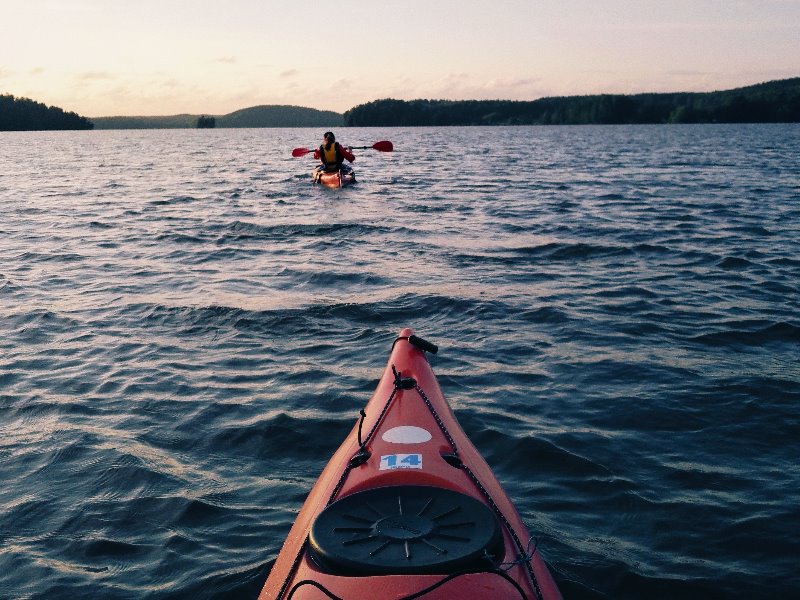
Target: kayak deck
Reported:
[(406, 506)]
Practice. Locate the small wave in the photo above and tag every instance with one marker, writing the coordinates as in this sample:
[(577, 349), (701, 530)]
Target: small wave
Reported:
[(631, 291), (42, 319), (334, 279), (652, 249), (784, 261), (173, 200), (313, 318), (268, 438), (100, 225), (180, 238), (732, 263), (545, 314), (754, 230), (565, 251), (105, 548), (41, 257), (438, 207), (220, 255), (542, 456), (8, 287), (200, 513), (242, 230), (737, 333)]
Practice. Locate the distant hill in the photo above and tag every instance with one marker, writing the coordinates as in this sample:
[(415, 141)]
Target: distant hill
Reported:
[(24, 114), (771, 102), (256, 116), (281, 116)]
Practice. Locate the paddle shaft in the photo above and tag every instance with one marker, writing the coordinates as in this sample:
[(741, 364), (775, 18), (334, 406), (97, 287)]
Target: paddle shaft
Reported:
[(382, 146)]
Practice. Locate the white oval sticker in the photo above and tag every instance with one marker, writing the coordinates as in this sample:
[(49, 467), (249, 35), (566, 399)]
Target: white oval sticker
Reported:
[(406, 434)]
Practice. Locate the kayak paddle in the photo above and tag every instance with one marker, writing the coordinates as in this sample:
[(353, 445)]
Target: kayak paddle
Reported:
[(382, 146)]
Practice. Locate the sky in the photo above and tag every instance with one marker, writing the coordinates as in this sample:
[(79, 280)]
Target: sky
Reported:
[(146, 57)]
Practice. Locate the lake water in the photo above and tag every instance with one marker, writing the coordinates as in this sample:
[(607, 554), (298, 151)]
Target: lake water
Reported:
[(188, 329)]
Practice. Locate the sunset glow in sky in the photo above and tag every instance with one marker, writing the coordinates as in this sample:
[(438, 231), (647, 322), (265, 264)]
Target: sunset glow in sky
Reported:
[(117, 57)]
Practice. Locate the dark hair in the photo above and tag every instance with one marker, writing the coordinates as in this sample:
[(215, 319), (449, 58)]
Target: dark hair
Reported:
[(330, 138)]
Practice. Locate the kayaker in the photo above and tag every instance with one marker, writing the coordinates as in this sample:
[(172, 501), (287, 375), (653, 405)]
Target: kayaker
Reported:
[(333, 154)]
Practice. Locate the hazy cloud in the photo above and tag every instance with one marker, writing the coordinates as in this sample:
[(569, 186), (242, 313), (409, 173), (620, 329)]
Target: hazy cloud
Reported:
[(524, 82), (228, 60), (342, 84), (463, 86), (96, 76), (170, 83), (37, 71), (290, 73), (70, 7)]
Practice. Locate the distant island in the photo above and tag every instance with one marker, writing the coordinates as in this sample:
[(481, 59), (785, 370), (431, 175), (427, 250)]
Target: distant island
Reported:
[(256, 116), (772, 102), (205, 122), (24, 114)]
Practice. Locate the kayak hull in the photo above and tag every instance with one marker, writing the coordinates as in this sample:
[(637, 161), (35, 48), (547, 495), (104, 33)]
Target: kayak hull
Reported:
[(336, 179), (408, 452)]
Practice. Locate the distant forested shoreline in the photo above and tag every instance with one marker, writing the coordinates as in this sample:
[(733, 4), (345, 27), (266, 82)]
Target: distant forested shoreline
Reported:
[(24, 114), (255, 116), (771, 102)]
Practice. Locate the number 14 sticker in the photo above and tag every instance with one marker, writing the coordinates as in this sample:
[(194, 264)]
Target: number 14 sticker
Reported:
[(401, 461)]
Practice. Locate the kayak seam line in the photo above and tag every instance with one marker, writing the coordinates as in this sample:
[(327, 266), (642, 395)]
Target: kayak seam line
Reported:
[(296, 562)]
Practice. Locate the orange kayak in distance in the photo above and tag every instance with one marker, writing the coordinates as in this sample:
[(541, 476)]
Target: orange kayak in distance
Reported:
[(407, 508)]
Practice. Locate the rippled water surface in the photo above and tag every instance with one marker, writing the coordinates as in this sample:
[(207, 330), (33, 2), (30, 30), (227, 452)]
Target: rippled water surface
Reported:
[(188, 329)]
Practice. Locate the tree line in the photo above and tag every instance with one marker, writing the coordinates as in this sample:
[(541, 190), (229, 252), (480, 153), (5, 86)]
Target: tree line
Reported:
[(24, 114), (772, 102)]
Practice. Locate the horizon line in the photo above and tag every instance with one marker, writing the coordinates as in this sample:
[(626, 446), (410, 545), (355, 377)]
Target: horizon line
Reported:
[(217, 115)]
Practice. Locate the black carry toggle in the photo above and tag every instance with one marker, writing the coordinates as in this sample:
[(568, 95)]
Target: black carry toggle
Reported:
[(400, 382), (408, 383), (419, 344), (358, 459), (423, 345)]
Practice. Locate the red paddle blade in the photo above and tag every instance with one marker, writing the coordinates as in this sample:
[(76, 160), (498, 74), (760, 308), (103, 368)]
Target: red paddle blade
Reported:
[(297, 152), (383, 146)]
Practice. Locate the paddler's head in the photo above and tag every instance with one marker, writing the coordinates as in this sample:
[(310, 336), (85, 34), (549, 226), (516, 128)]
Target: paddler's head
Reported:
[(328, 139)]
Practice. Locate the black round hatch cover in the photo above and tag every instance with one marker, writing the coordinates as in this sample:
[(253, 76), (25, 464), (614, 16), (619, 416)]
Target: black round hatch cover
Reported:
[(405, 529)]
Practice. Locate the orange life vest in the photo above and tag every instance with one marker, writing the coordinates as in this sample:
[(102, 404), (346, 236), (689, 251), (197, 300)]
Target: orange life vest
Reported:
[(332, 158)]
